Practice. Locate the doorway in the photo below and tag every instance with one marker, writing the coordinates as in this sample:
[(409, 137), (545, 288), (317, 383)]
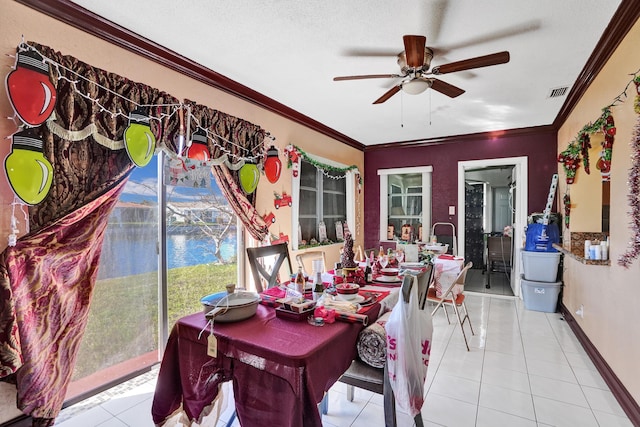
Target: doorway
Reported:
[(515, 191)]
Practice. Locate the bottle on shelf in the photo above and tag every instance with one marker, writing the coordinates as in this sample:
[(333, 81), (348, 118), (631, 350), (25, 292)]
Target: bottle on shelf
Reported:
[(300, 282), (381, 252)]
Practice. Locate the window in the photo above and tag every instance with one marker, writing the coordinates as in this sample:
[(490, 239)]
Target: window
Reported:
[(405, 203), (323, 196), (200, 242)]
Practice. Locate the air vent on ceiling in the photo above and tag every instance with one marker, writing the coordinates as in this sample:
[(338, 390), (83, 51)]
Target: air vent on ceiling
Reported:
[(558, 91)]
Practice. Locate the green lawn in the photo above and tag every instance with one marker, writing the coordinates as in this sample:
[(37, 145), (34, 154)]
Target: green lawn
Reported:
[(124, 312)]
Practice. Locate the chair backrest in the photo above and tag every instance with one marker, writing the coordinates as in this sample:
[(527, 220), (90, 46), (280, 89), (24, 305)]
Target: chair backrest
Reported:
[(256, 261), (308, 258), (462, 276), (449, 293), (423, 280)]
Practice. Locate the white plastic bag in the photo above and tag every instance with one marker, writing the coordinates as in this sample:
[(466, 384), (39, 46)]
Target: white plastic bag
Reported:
[(409, 331)]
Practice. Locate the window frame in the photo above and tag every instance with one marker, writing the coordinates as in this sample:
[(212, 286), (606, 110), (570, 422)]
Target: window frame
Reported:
[(295, 191), (426, 172)]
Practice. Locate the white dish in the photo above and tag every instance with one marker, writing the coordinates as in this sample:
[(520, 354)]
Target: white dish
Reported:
[(355, 298), (387, 279)]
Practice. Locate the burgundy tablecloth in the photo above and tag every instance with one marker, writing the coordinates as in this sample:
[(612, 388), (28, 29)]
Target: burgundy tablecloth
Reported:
[(280, 368)]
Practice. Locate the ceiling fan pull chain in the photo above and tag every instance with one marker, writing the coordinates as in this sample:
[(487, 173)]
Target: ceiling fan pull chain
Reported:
[(401, 110)]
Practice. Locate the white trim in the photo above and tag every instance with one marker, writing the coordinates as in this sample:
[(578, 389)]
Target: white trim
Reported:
[(522, 194), (402, 171)]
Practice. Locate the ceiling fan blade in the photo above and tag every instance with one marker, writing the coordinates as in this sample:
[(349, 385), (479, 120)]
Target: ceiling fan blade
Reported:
[(414, 50), (366, 76), (446, 88), (388, 94), (477, 62)]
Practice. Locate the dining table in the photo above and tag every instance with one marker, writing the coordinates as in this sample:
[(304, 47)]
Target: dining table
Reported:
[(280, 368)]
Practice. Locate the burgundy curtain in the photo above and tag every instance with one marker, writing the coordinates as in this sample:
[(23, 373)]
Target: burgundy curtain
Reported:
[(47, 279)]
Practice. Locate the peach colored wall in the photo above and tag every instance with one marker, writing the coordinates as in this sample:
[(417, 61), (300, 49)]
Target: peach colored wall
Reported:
[(610, 294), (17, 20)]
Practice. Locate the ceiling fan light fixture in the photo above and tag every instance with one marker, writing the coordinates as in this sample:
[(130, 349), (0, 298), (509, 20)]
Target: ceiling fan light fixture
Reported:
[(416, 86)]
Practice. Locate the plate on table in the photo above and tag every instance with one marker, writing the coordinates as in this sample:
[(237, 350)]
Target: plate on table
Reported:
[(387, 279), (357, 299), (389, 271)]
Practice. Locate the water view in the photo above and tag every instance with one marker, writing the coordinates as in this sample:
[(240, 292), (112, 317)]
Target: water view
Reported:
[(131, 250)]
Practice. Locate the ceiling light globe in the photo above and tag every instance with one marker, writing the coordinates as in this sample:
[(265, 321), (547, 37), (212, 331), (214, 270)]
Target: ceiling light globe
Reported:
[(416, 86)]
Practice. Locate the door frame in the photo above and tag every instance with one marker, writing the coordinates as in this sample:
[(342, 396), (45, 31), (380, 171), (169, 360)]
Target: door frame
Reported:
[(520, 203)]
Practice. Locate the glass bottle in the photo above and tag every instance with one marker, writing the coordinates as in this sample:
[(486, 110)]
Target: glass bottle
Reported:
[(368, 273), (300, 282), (318, 288)]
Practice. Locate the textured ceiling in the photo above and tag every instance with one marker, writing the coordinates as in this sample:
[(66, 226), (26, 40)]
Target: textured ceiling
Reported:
[(290, 50)]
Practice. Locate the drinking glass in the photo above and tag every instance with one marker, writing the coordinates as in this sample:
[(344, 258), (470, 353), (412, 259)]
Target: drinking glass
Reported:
[(384, 260)]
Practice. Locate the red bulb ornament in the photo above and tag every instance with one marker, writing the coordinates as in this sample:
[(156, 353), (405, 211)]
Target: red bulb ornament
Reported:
[(31, 93), (198, 149), (272, 165)]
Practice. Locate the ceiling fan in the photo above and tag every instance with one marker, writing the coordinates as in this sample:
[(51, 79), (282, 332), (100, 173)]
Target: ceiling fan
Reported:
[(415, 62)]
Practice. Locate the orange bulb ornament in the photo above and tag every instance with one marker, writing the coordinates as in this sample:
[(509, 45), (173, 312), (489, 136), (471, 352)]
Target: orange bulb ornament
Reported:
[(29, 173), (272, 165)]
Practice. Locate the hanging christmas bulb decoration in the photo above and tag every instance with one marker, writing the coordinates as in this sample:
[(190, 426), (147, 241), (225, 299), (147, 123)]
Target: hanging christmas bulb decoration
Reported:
[(272, 165), (198, 150), (249, 175), (29, 173), (32, 95), (139, 141)]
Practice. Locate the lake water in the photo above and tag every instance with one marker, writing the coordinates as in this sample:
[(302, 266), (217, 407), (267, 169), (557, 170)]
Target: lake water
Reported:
[(131, 250)]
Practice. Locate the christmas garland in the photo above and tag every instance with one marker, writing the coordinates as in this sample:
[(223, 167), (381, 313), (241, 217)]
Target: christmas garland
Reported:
[(295, 153), (633, 251), (578, 150)]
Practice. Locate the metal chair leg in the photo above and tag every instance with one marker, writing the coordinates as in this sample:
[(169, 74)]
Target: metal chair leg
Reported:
[(350, 392)]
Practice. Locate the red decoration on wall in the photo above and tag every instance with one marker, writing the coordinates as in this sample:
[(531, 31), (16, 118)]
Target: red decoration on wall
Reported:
[(31, 93), (281, 201), (272, 165)]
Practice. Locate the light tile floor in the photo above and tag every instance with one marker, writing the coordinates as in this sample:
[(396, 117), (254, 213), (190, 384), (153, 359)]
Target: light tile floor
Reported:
[(525, 368)]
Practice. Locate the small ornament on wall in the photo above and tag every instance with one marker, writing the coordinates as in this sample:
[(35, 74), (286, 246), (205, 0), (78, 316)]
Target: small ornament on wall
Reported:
[(281, 200), (269, 218)]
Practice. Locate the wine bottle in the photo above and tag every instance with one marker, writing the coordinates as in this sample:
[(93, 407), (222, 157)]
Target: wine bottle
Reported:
[(300, 282), (368, 273)]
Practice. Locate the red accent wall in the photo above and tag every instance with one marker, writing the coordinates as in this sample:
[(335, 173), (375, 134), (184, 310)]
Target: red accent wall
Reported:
[(540, 148)]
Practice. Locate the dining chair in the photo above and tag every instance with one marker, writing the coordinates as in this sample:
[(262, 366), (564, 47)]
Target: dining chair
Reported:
[(376, 380), (308, 258), (454, 297), (259, 267)]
